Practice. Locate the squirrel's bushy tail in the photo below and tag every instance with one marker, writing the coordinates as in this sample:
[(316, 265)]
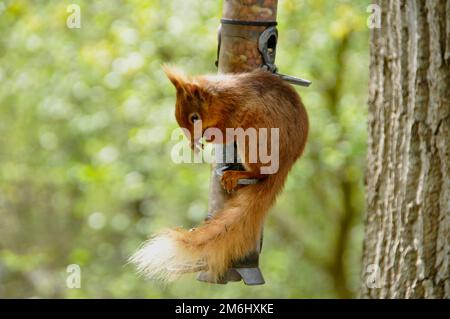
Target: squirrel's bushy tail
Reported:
[(213, 246)]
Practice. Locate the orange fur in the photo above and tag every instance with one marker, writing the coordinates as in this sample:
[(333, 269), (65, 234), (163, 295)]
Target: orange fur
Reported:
[(257, 99)]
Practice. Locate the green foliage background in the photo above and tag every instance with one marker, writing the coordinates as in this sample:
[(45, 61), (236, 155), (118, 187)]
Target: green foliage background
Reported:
[(86, 117)]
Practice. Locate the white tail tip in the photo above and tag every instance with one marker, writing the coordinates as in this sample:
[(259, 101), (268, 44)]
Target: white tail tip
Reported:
[(162, 259)]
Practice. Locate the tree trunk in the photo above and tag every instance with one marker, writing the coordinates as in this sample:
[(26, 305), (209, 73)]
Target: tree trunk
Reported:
[(406, 245)]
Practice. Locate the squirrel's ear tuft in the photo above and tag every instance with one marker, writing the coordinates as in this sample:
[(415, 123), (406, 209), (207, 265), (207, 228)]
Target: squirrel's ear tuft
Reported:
[(175, 76), (189, 86)]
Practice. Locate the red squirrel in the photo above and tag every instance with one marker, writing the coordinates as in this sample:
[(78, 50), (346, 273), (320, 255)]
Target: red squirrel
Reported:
[(257, 99)]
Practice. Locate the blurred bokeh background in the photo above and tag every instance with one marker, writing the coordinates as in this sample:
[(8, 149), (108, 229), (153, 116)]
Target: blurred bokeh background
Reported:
[(86, 117)]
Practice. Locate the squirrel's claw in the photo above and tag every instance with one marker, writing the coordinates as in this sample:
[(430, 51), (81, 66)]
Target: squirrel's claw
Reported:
[(229, 181)]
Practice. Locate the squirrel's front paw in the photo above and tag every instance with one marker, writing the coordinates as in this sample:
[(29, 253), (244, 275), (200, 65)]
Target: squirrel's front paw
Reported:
[(230, 180)]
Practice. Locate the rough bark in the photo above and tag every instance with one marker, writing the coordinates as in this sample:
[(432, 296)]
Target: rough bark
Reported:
[(406, 245)]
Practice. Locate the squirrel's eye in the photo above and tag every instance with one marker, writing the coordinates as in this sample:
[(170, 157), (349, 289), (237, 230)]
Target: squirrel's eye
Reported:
[(193, 117)]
